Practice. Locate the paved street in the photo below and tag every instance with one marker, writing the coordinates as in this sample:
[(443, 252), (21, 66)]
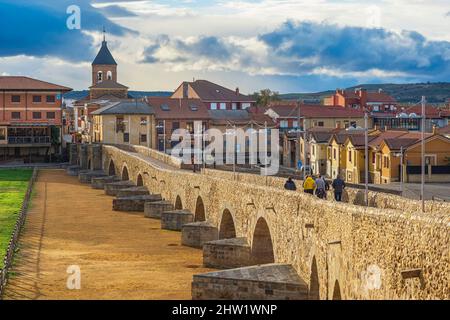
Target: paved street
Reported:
[(412, 190)]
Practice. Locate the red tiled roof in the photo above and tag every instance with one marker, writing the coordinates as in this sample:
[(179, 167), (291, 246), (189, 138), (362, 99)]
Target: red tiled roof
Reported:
[(398, 143), (209, 91), (289, 110), (26, 83), (386, 135), (179, 109), (430, 111)]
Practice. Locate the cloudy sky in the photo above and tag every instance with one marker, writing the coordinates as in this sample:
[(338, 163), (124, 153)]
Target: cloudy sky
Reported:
[(285, 45)]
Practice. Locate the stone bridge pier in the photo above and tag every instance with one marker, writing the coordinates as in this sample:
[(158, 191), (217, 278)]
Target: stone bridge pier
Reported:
[(270, 243)]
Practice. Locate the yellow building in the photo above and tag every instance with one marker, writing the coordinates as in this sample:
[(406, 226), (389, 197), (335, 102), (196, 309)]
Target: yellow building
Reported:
[(125, 122), (437, 153)]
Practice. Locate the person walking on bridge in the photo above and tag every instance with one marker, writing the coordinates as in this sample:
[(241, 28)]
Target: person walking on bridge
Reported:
[(320, 187), (290, 185), (338, 186), (308, 185)]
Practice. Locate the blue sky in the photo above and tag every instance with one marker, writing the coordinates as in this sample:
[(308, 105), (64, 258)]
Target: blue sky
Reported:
[(285, 45)]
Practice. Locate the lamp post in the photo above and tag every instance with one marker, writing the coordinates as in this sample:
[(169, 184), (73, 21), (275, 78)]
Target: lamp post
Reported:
[(366, 155), (422, 187)]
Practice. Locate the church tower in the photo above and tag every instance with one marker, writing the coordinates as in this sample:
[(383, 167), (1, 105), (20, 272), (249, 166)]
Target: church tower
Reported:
[(104, 75)]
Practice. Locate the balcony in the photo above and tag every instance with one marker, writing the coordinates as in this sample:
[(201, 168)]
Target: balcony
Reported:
[(29, 140)]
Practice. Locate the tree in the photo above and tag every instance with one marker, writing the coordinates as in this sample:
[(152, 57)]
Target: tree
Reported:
[(265, 97)]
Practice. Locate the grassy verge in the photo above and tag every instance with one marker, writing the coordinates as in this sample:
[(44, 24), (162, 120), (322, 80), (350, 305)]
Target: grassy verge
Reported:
[(13, 186)]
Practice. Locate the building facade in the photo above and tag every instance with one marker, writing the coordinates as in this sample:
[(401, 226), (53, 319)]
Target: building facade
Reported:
[(30, 119)]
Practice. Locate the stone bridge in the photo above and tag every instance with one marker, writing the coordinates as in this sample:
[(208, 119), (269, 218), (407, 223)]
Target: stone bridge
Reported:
[(337, 250)]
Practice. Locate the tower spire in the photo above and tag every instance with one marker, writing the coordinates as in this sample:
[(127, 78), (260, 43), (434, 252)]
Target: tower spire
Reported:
[(104, 34)]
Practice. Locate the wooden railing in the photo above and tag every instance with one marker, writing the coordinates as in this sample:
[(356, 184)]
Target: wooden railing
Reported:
[(12, 246)]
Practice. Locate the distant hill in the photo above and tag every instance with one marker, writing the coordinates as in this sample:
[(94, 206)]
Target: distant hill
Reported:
[(77, 95), (436, 93)]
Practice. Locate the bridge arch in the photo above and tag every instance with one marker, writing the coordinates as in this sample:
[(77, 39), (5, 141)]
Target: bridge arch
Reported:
[(178, 203), (139, 181), (200, 214), (227, 228), (125, 175), (111, 168), (262, 246), (337, 291), (314, 286)]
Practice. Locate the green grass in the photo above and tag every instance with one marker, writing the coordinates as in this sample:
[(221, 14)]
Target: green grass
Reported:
[(13, 186)]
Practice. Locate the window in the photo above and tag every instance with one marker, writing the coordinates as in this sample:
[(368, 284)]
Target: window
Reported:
[(321, 124), (245, 106), (37, 99), (109, 75), (15, 99), (193, 107), (350, 156), (37, 115), (376, 108), (160, 127), (284, 124), (190, 127), (295, 124), (346, 124), (165, 107), (386, 162), (100, 76), (2, 133), (353, 124), (143, 121), (143, 138), (126, 137), (314, 150), (234, 106), (15, 115), (51, 115), (213, 106), (223, 106), (374, 158), (334, 154), (50, 99), (175, 126)]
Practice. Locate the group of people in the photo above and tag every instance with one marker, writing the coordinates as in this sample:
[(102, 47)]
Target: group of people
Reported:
[(319, 186)]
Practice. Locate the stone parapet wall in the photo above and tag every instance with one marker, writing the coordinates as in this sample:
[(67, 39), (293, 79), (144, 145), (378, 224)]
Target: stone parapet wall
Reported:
[(346, 250), (351, 195)]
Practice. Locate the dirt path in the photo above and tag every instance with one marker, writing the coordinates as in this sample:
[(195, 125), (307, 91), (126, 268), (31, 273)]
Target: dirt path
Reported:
[(121, 255)]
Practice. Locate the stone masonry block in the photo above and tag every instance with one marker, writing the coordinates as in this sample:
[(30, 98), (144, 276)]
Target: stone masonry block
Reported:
[(134, 203), (155, 209), (174, 220), (197, 233)]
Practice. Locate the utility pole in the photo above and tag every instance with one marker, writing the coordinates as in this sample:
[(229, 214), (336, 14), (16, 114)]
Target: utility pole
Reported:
[(422, 187), (401, 169), (366, 143), (298, 131)]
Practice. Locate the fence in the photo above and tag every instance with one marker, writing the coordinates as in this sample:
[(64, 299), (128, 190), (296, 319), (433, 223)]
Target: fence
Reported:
[(8, 259)]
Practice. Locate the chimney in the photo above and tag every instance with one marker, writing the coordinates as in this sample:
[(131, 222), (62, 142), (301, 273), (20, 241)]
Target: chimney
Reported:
[(237, 91), (435, 130), (362, 93)]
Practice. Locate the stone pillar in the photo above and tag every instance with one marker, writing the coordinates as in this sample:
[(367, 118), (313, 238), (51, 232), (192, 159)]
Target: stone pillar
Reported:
[(174, 220), (227, 253), (97, 163), (198, 233), (155, 209), (73, 154), (83, 156)]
